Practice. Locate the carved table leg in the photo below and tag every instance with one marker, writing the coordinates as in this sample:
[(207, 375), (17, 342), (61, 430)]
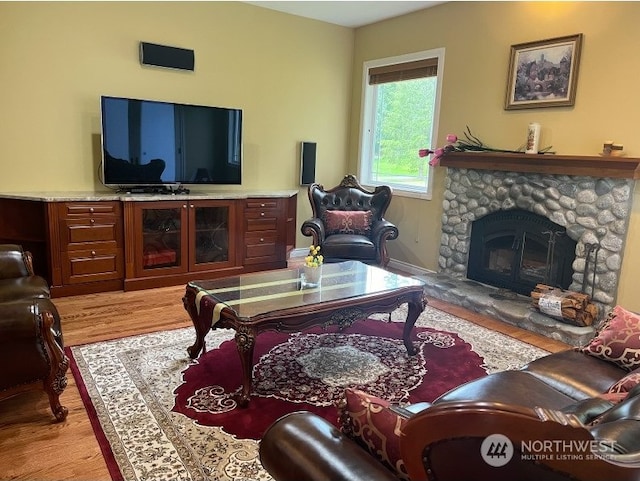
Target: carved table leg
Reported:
[(200, 322), (416, 306), (199, 345), (245, 343)]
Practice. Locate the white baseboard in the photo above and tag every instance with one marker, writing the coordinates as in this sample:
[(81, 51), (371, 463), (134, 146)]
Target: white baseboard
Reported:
[(301, 253), (409, 268)]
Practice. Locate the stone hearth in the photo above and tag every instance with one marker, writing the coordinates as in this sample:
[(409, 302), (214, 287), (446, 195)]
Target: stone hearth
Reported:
[(589, 196), (506, 306), (595, 210)]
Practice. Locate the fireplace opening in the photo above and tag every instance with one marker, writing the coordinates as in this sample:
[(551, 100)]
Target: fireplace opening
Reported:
[(517, 249)]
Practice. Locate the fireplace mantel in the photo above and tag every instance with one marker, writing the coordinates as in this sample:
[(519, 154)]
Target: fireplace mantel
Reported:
[(593, 166)]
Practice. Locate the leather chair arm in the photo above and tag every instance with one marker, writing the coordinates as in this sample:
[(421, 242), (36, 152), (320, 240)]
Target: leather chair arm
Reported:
[(438, 438), (19, 320), (586, 410), (30, 320), (383, 230), (27, 287), (29, 348), (314, 228), (14, 262), (303, 446)]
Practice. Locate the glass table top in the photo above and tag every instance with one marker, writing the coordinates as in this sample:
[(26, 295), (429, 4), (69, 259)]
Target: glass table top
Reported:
[(259, 293)]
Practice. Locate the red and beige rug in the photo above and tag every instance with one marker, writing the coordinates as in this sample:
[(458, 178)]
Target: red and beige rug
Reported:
[(160, 415)]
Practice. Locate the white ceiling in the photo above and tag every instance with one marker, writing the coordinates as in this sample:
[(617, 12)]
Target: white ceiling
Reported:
[(347, 13)]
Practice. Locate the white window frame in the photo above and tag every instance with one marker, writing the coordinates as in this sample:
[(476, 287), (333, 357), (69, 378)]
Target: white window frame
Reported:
[(367, 120)]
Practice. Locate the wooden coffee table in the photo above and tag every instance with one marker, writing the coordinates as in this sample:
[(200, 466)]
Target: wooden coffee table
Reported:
[(278, 300)]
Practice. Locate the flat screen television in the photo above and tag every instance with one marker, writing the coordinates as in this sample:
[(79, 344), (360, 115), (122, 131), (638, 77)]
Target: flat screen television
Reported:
[(150, 143)]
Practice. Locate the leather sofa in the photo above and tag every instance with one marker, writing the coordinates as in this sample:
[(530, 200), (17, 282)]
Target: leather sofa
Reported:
[(553, 411), (31, 340), (348, 222)]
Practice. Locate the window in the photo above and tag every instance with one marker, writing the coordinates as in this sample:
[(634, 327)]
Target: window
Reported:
[(401, 102)]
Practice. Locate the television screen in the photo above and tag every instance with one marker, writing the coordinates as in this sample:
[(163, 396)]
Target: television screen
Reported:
[(148, 143)]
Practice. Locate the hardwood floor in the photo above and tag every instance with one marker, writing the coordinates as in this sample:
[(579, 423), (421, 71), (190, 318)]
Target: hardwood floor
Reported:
[(33, 447)]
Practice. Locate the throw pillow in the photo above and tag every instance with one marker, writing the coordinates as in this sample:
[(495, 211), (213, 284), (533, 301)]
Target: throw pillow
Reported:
[(618, 341), (347, 222), (614, 397), (370, 422), (627, 383)]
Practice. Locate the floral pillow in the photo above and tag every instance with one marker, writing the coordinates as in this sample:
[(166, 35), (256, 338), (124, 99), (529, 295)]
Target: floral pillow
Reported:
[(347, 222), (370, 422), (627, 383), (618, 341)]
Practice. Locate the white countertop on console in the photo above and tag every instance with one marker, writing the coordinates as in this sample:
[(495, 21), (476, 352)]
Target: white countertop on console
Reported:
[(75, 196)]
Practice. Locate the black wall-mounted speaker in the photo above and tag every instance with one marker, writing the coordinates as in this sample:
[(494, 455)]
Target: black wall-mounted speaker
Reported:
[(164, 56), (307, 163)]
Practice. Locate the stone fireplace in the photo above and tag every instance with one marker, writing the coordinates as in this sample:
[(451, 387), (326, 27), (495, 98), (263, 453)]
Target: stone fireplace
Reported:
[(568, 221)]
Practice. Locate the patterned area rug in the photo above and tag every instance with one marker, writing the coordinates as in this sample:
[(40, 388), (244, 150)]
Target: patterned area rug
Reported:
[(159, 415)]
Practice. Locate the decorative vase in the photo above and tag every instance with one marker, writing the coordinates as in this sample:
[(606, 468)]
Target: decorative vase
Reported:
[(311, 276)]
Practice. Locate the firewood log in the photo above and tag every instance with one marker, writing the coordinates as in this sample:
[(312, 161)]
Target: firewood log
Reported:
[(572, 307)]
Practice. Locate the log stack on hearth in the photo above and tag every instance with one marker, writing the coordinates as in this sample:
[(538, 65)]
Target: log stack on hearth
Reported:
[(568, 306)]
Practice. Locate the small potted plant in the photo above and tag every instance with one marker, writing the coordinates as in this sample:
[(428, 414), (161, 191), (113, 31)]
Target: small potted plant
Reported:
[(313, 266)]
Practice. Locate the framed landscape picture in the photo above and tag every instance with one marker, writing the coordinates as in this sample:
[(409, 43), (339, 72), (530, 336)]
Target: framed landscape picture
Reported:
[(543, 73)]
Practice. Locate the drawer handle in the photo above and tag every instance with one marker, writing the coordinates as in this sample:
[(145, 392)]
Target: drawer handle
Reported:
[(261, 239), (93, 221), (91, 209), (262, 205), (93, 253), (261, 214)]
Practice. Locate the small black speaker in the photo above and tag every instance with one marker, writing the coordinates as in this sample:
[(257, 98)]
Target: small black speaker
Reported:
[(307, 163), (163, 56)]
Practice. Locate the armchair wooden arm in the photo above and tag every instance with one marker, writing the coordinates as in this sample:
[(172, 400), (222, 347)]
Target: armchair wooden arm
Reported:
[(445, 442)]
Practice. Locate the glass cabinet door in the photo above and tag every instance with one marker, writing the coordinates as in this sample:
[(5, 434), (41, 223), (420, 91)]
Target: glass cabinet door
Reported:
[(162, 237), (212, 222)]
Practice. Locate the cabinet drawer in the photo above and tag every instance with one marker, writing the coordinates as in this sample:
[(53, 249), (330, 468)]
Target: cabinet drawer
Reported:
[(261, 219), (75, 233), (262, 222), (261, 248), (261, 204), (87, 209), (92, 265)]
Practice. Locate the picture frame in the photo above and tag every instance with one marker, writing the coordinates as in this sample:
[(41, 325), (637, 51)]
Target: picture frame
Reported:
[(543, 73)]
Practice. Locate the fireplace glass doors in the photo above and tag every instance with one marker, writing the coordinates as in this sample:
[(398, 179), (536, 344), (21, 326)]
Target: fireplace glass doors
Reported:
[(516, 249)]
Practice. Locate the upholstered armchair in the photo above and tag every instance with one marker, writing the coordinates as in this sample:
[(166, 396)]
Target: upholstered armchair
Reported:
[(31, 341), (348, 222)]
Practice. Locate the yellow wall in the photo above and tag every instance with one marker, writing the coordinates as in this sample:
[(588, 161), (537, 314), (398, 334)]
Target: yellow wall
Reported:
[(290, 75), (477, 37), (299, 79)]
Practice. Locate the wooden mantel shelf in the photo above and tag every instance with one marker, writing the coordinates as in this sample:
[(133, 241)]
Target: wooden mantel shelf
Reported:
[(592, 166)]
